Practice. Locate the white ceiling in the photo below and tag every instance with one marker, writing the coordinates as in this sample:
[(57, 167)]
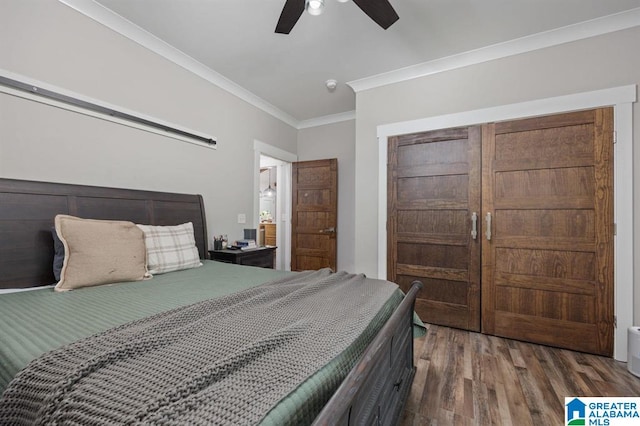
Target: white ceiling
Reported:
[(236, 39)]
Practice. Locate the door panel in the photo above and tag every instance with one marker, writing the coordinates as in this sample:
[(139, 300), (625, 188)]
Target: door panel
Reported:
[(434, 187), (547, 272), (314, 218)]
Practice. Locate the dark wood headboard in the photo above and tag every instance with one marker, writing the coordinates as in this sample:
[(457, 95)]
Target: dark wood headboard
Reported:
[(27, 211)]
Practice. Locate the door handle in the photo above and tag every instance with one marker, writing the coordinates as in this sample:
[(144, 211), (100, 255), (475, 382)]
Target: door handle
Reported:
[(488, 219), (474, 225), (328, 230)]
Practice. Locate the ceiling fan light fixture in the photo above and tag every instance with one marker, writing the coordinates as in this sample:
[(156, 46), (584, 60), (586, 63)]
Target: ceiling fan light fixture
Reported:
[(380, 11), (314, 7)]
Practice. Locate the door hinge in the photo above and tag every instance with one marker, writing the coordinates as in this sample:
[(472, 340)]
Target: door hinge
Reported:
[(615, 228), (615, 321), (615, 137)]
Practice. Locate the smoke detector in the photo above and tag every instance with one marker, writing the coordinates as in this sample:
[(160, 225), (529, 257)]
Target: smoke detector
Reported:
[(331, 84)]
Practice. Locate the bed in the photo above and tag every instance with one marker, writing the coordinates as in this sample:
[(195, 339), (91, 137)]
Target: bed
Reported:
[(364, 381)]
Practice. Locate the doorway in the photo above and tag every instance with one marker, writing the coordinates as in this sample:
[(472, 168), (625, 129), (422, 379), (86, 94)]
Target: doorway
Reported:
[(314, 215), (270, 203), (273, 206)]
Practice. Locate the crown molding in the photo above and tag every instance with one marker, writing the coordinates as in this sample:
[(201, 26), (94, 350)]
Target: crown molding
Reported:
[(579, 31), (117, 23), (327, 119), (574, 32)]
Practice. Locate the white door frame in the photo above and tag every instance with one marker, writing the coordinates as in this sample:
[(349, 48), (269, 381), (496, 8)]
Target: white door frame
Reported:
[(621, 98), (284, 199)]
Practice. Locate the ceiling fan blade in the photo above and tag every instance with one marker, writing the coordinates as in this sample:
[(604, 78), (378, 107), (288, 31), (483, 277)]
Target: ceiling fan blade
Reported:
[(291, 12), (380, 11)]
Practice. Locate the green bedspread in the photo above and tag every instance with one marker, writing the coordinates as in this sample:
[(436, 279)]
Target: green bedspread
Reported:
[(34, 322)]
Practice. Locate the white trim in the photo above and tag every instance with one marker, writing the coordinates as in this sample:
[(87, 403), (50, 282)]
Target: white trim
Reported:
[(579, 31), (621, 98), (284, 203), (327, 119), (47, 101), (383, 152), (117, 23), (283, 230), (578, 101), (623, 218), (274, 152)]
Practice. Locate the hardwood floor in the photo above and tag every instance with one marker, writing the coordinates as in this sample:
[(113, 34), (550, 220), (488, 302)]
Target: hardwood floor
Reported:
[(467, 378)]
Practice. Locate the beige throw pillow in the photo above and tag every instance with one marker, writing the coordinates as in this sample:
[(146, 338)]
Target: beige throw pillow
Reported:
[(100, 252)]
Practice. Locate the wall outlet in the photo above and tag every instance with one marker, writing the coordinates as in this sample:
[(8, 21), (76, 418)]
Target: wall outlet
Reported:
[(242, 218)]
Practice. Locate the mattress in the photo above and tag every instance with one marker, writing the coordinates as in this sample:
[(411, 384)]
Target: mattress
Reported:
[(35, 322)]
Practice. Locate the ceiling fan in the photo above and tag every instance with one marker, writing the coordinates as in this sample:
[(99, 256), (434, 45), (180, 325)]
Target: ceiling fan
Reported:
[(380, 11)]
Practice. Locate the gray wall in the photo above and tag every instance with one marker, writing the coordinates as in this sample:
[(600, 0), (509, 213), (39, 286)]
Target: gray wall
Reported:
[(50, 42), (336, 141), (597, 63)]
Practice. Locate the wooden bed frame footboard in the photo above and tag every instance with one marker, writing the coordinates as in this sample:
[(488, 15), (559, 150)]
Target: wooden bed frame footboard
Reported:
[(376, 389)]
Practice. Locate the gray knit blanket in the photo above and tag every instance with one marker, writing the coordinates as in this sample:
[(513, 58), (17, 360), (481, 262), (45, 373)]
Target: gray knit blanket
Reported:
[(227, 360)]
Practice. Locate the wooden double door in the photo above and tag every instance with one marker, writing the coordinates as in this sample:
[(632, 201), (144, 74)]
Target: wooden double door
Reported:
[(510, 227)]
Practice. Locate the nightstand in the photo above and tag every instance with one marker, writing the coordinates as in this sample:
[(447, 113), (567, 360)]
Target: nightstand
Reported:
[(264, 257)]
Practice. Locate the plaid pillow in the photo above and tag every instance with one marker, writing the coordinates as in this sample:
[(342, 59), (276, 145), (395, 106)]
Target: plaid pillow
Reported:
[(170, 248)]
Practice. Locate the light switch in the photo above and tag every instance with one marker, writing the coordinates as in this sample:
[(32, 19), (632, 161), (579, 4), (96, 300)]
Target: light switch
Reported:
[(242, 218)]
